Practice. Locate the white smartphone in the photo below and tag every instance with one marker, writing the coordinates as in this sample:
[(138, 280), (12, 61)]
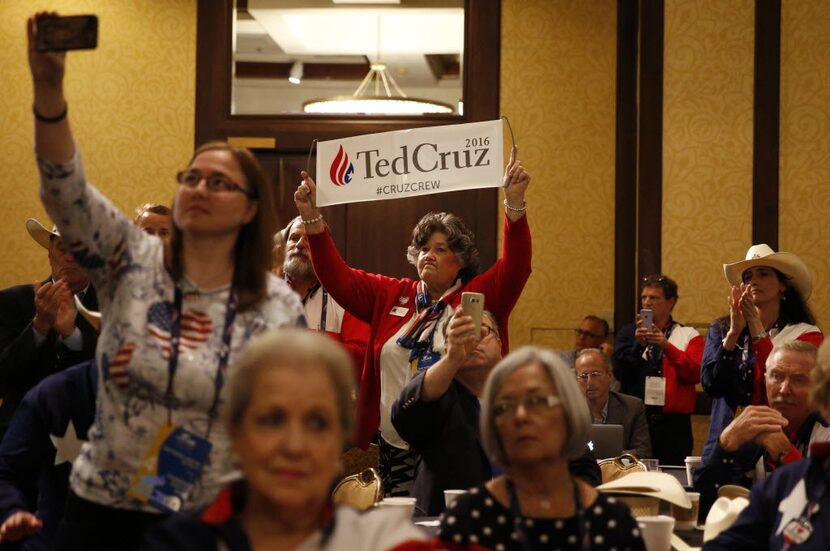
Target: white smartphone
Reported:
[(473, 305), (647, 317)]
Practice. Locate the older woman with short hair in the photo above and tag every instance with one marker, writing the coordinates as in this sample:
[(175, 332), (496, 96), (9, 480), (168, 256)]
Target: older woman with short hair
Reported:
[(533, 420), (404, 314), (289, 413)]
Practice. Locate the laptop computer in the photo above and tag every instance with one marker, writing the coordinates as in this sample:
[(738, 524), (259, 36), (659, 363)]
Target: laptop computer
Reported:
[(606, 440)]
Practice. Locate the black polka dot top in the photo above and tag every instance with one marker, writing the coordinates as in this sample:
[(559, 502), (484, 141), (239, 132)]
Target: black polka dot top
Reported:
[(477, 520)]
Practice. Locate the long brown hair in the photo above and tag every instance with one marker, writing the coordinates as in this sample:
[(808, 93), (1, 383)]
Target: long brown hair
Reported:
[(252, 253)]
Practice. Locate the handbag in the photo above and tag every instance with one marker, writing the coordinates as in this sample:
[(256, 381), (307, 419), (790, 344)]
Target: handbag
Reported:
[(615, 468), (360, 491)]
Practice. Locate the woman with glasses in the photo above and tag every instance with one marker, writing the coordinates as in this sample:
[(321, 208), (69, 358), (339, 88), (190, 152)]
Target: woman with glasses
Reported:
[(533, 419), (404, 314), (174, 318)]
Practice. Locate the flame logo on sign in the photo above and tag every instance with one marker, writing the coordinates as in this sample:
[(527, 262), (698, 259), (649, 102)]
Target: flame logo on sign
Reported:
[(341, 169)]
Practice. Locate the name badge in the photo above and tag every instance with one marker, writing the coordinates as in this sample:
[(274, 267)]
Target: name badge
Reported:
[(655, 391), (170, 468), (399, 311), (798, 531)]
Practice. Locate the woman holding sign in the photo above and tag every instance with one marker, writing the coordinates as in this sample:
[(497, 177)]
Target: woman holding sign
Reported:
[(174, 318), (405, 315)]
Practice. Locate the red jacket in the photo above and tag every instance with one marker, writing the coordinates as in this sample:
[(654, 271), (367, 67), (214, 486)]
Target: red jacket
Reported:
[(371, 297)]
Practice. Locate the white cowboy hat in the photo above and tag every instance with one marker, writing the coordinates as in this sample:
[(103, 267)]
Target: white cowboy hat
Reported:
[(721, 516), (786, 263), (39, 232), (646, 488)]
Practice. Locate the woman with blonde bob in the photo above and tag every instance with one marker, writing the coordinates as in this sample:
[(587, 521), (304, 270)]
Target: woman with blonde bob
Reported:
[(290, 411), (533, 420), (767, 523)]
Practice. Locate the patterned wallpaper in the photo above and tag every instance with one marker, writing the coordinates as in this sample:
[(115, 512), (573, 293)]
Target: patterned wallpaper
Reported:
[(804, 201), (131, 103), (558, 89), (707, 148)]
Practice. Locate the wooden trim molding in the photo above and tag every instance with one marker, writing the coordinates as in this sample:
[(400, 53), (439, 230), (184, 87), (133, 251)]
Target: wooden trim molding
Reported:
[(766, 122), (625, 221), (650, 183)]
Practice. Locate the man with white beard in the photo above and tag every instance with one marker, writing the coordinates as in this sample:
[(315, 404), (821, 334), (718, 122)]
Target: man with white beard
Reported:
[(321, 311)]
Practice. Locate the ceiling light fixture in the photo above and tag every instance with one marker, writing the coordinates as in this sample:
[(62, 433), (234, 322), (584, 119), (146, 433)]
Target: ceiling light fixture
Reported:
[(295, 76), (360, 103)]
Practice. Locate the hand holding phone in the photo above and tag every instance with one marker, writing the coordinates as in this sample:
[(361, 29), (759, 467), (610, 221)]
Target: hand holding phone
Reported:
[(647, 317), (59, 34), (472, 304)]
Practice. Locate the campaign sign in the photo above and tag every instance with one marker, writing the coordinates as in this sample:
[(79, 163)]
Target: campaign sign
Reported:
[(408, 163)]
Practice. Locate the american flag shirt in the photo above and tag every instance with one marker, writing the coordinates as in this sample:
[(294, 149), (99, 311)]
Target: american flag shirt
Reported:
[(136, 294)]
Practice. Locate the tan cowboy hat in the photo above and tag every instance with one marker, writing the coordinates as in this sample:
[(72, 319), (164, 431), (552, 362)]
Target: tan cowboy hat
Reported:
[(721, 516), (786, 263), (642, 490), (39, 232)]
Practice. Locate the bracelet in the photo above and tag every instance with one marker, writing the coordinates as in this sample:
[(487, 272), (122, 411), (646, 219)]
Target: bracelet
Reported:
[(51, 120), (312, 221), (760, 336), (514, 209)]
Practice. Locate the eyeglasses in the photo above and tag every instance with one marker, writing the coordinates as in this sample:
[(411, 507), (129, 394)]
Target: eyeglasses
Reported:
[(587, 334), (591, 375), (486, 331), (532, 404), (215, 183)]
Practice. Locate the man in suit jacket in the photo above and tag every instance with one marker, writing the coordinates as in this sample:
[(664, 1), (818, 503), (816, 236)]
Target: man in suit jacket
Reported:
[(40, 330), (438, 415), (593, 370)]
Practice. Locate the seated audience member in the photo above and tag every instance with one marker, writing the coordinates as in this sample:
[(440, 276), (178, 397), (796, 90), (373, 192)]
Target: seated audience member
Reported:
[(322, 313), (593, 370), (792, 508), (534, 419), (404, 314), (289, 414), (438, 415), (767, 305), (154, 219), (592, 333), (660, 364), (34, 474), (40, 331), (763, 438)]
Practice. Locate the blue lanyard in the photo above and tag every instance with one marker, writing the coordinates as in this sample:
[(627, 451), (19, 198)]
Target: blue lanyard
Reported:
[(581, 523), (224, 352)]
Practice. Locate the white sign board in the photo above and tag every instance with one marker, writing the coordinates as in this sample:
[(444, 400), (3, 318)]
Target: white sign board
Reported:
[(408, 163)]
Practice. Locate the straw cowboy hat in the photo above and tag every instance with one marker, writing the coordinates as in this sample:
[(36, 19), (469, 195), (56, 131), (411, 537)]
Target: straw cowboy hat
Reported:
[(721, 516), (39, 232), (786, 263)]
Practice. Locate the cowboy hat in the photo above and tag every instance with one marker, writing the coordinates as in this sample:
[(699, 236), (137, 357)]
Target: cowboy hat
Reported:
[(39, 232), (641, 490), (787, 263), (721, 516)]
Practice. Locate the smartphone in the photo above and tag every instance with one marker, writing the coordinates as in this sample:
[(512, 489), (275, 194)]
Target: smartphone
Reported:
[(647, 316), (74, 32), (473, 305)]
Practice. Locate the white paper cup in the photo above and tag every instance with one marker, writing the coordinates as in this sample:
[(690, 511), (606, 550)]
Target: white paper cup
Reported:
[(686, 519), (450, 495), (406, 505), (692, 463), (656, 532)]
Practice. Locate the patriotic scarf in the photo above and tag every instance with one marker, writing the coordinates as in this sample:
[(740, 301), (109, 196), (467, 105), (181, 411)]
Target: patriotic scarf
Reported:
[(419, 337)]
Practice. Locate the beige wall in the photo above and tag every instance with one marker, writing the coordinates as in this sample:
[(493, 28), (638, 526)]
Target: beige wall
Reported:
[(804, 202), (707, 148), (558, 89), (131, 102)]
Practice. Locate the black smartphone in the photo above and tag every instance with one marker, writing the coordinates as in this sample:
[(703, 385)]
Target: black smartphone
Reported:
[(74, 32)]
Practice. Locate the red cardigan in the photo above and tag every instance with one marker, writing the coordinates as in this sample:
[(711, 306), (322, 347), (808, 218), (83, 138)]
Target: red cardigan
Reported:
[(371, 297)]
